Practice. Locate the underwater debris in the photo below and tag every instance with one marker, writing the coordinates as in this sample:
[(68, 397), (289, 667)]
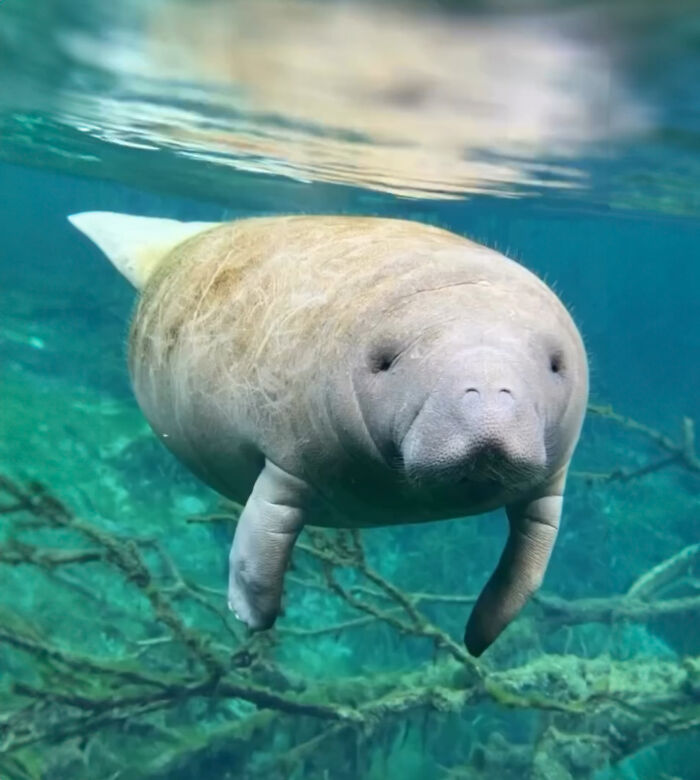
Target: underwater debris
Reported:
[(178, 681)]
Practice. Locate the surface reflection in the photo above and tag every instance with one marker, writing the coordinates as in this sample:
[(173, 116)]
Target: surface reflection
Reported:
[(399, 100)]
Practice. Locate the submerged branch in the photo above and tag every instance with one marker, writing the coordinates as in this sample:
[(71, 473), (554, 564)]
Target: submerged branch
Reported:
[(57, 694), (684, 451)]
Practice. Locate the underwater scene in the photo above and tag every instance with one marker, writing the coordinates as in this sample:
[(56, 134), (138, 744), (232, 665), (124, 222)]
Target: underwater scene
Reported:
[(319, 382)]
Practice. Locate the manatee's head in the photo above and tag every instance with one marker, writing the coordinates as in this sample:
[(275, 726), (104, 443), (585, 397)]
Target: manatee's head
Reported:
[(474, 390)]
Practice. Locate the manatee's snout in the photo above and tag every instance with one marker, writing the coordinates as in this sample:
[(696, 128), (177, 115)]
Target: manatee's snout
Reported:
[(502, 432), (481, 427), (490, 409)]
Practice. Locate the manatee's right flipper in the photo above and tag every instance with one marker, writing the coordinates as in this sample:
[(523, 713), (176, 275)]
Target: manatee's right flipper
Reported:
[(262, 546), (533, 530)]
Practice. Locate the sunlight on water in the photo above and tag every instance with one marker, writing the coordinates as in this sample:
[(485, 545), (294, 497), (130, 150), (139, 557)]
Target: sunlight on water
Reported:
[(411, 103), (404, 100)]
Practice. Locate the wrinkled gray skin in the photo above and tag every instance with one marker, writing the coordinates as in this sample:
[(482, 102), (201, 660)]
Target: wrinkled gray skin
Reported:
[(355, 372)]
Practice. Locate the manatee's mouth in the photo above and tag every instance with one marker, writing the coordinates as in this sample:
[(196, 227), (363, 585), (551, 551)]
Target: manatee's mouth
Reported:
[(490, 473), (492, 463), (455, 483), (486, 469)]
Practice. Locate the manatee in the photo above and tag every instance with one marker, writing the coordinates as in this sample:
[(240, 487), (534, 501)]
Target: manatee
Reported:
[(347, 371)]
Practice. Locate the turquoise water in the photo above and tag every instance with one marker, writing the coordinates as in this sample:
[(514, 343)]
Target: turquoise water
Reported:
[(565, 136)]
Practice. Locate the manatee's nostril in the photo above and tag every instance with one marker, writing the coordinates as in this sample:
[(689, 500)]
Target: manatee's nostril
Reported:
[(471, 390), (506, 390)]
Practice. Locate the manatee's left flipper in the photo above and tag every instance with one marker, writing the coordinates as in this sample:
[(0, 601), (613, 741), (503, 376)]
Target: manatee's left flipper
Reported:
[(521, 568), (262, 546)]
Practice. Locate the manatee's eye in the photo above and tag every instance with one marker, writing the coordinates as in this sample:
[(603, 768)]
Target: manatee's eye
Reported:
[(556, 362), (382, 358)]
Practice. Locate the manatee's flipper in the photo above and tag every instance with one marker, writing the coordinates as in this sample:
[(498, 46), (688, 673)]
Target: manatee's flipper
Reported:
[(262, 545), (533, 531), (135, 245)]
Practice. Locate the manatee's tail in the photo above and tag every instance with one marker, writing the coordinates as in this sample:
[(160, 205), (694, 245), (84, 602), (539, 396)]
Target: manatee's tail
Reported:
[(135, 245)]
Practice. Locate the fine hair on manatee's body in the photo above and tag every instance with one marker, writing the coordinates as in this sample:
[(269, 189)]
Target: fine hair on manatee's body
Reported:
[(349, 372)]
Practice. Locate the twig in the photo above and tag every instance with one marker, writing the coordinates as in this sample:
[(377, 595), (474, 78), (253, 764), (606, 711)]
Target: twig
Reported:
[(685, 451), (665, 572)]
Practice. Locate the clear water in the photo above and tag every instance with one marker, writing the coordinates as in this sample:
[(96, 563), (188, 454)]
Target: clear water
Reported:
[(566, 135)]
